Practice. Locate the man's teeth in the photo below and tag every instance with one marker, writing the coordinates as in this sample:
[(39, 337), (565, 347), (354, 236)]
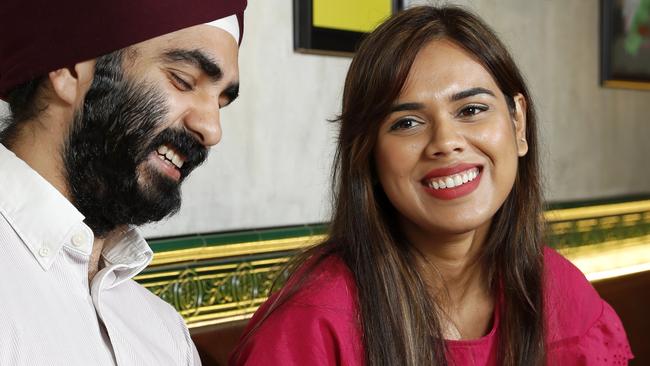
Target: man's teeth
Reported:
[(454, 180), (166, 153)]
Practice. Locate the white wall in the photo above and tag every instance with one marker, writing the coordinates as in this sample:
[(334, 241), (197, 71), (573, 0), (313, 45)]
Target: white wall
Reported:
[(272, 166)]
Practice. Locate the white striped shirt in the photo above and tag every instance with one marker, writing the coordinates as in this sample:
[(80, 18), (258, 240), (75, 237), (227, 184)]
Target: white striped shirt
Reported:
[(49, 314)]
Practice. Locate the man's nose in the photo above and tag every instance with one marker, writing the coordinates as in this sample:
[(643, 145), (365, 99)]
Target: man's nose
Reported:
[(204, 123)]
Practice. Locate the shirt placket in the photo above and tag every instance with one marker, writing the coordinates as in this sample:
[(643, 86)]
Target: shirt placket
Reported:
[(97, 288)]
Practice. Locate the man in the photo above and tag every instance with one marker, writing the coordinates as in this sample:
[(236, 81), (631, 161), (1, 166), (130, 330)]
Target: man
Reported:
[(112, 105)]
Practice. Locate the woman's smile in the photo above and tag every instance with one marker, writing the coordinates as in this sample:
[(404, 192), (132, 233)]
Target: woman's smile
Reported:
[(452, 182)]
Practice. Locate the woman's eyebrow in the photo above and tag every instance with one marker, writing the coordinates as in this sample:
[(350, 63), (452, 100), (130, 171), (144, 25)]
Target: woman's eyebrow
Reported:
[(470, 93), (406, 107), (412, 106)]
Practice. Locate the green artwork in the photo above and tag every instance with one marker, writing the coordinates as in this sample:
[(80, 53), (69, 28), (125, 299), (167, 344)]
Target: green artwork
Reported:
[(638, 34)]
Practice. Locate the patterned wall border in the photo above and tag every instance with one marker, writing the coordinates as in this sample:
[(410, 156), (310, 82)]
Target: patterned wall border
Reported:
[(604, 241), (219, 278)]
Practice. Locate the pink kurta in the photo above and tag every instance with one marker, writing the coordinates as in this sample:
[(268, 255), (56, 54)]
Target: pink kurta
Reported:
[(320, 324)]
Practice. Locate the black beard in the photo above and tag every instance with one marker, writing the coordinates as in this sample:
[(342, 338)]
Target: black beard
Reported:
[(109, 179)]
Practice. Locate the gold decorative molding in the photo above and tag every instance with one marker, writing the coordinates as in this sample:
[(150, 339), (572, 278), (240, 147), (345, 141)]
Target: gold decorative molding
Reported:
[(214, 294), (231, 250), (220, 283), (228, 319), (611, 259), (613, 209)]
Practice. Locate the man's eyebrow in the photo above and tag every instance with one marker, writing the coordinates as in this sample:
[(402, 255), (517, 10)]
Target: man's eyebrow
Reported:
[(470, 93), (196, 58)]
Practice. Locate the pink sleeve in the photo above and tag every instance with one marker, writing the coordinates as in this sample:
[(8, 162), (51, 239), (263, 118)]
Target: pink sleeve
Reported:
[(604, 343), (582, 329)]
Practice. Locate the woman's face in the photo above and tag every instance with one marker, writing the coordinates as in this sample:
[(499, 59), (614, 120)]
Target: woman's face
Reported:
[(447, 155)]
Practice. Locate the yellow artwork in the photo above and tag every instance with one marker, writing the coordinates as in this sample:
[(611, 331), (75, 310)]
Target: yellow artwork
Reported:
[(351, 15)]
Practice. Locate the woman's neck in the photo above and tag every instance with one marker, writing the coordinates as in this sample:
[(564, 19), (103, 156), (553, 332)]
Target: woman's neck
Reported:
[(451, 258), (453, 270), (451, 267)]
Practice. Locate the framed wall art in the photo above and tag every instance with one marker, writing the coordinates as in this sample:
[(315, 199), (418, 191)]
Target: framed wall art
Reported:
[(625, 44), (335, 27)]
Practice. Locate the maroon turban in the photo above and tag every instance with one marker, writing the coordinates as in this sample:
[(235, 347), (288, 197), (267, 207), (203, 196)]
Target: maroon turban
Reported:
[(38, 36)]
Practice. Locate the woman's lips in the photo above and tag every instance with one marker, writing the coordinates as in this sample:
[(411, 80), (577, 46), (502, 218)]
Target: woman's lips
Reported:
[(452, 182), (450, 170)]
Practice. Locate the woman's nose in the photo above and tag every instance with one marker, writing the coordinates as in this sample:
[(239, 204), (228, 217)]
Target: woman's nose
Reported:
[(446, 139)]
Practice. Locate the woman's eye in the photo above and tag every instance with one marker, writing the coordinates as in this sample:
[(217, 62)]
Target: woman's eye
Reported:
[(404, 124), (472, 110), (180, 83)]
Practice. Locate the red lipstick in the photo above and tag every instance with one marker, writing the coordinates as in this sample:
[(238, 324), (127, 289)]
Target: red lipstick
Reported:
[(457, 191)]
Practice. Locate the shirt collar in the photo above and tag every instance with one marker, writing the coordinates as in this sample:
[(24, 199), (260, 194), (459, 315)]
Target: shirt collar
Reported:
[(126, 254), (43, 218), (46, 221)]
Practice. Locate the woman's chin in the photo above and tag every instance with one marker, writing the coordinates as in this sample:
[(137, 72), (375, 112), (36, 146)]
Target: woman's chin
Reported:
[(455, 226)]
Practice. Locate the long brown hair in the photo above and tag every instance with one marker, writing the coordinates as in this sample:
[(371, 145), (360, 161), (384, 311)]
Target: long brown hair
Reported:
[(399, 318)]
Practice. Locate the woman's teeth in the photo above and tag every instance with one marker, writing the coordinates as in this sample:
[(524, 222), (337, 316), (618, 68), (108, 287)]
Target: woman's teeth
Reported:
[(167, 153), (453, 180)]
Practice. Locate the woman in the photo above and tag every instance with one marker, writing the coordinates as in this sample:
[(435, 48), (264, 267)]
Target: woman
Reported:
[(435, 252)]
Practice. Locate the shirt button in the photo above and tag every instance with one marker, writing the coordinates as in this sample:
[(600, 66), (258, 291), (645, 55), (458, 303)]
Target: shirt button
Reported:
[(44, 251), (78, 239)]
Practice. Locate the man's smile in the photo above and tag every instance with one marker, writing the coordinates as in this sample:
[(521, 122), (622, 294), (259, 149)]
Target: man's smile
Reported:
[(168, 161), (168, 153)]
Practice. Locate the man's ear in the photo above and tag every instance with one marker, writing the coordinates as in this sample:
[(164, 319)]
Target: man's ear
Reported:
[(519, 120), (70, 84)]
